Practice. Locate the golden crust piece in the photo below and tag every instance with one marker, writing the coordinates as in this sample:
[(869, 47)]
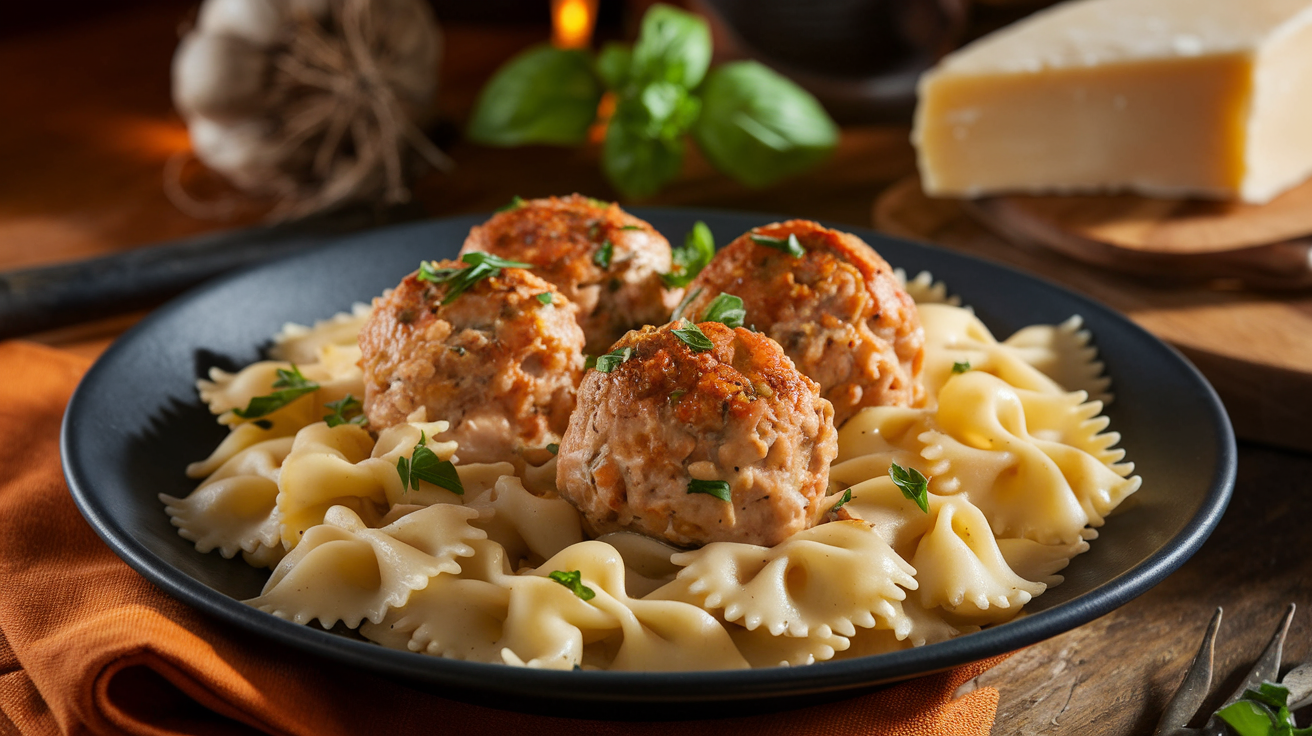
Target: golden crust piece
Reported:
[(497, 363), (563, 236), (738, 413), (838, 311)]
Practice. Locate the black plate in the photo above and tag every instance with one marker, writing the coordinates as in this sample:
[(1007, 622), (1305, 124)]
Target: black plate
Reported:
[(135, 422)]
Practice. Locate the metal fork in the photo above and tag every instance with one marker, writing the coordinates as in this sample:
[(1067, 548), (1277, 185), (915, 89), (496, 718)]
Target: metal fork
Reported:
[(1198, 680)]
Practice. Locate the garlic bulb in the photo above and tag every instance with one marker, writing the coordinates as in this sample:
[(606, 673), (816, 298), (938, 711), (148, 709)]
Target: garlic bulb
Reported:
[(315, 102)]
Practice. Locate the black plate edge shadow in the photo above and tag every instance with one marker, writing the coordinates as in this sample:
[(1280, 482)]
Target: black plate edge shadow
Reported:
[(648, 694)]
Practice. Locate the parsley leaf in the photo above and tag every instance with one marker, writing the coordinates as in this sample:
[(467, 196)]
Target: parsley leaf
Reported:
[(515, 203), (424, 465), (790, 246), (960, 366), (604, 254), (693, 337), (912, 484), (545, 298), (291, 385), (847, 496), (689, 260), (481, 266), (348, 410), (574, 581), (726, 309), (717, 488), (553, 448), (610, 361)]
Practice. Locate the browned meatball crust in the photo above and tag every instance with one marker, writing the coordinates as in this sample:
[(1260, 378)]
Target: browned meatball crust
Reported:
[(564, 238), (738, 413), (838, 311), (497, 363)]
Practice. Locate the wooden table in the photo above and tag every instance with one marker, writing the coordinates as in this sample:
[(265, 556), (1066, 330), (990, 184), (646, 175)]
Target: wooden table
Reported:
[(89, 126)]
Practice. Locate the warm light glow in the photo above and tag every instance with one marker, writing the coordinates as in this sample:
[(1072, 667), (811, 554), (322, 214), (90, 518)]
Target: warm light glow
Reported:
[(572, 22)]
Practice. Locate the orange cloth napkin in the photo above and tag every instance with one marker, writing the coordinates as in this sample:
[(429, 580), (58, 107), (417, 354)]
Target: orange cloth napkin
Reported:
[(88, 646)]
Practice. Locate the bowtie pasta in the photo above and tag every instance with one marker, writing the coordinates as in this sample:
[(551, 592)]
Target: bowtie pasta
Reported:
[(1021, 470)]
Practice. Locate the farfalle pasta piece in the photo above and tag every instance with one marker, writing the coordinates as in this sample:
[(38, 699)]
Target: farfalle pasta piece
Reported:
[(830, 578), (955, 337), (235, 509), (762, 649), (923, 289), (330, 466), (529, 527), (1065, 354), (301, 344), (1040, 562), (345, 571)]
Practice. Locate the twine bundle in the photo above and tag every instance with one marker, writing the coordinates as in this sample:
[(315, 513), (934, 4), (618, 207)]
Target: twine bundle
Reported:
[(314, 103)]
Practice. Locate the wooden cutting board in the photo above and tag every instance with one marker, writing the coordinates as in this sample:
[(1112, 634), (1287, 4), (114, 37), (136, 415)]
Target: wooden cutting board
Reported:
[(1254, 346)]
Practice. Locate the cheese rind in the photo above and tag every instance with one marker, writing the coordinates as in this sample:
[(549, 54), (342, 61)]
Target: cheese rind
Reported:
[(1171, 98)]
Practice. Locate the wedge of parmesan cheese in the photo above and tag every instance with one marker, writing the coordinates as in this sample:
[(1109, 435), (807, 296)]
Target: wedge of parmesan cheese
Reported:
[(1171, 98)]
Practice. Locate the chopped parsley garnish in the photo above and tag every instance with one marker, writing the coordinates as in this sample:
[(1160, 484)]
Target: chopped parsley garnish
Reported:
[(912, 484), (697, 251), (726, 309), (481, 266), (604, 254), (717, 488), (545, 298), (291, 385), (677, 394), (847, 496), (693, 337), (574, 581), (553, 448), (789, 245), (1262, 712), (960, 366), (610, 361), (424, 465), (515, 203), (346, 411)]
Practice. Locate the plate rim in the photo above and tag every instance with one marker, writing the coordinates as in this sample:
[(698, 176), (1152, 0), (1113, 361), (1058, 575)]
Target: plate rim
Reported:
[(653, 688)]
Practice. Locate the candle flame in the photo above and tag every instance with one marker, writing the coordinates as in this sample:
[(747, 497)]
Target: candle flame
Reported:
[(572, 22)]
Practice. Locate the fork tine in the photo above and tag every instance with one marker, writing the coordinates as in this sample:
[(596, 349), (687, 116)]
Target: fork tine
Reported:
[(1267, 668), (1193, 689)]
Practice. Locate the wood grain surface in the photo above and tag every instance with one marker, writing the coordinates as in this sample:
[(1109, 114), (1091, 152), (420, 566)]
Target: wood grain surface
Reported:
[(83, 178), (1255, 347)]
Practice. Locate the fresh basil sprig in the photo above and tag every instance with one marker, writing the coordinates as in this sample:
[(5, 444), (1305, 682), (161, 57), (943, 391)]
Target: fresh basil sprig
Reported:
[(608, 362), (698, 249), (424, 465), (1262, 712), (347, 410), (912, 483), (718, 488), (753, 124), (726, 309), (291, 385), (481, 266), (573, 579), (693, 337)]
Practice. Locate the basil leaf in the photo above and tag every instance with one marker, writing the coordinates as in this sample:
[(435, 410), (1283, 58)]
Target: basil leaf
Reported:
[(847, 496), (291, 384), (613, 64), (960, 366), (697, 251), (574, 581), (545, 298), (693, 337), (635, 163), (912, 484), (1248, 718), (673, 46), (789, 245), (543, 95), (348, 410), (718, 488), (424, 465), (759, 127), (610, 361), (668, 110), (726, 309), (604, 254)]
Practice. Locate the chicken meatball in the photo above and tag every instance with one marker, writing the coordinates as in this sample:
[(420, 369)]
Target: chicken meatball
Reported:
[(605, 260), (836, 308), (500, 362), (694, 446)]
